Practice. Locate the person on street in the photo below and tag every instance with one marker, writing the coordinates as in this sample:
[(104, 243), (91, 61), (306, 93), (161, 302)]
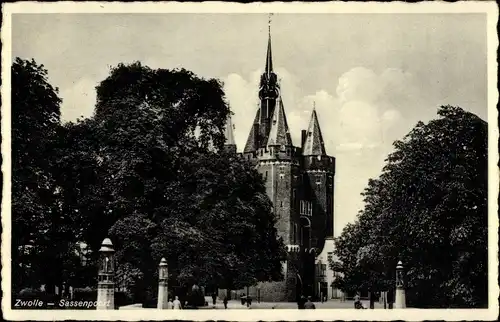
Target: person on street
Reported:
[(372, 300), (301, 302), (214, 298), (225, 301), (170, 304), (309, 304), (357, 302), (177, 304)]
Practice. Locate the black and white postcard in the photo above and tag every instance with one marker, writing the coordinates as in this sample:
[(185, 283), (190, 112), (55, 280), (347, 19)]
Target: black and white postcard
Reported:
[(226, 161)]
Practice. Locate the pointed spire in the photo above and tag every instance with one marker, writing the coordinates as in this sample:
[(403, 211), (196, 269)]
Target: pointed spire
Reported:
[(269, 57), (314, 144), (229, 132), (252, 142), (280, 133)]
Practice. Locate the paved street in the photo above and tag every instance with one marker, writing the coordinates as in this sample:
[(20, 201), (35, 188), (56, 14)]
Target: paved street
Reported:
[(331, 304)]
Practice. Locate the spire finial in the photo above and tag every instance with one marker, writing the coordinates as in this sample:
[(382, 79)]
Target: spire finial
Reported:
[(269, 24), (314, 105), (269, 59)]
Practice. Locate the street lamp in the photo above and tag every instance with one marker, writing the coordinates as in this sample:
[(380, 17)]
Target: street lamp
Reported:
[(106, 283), (400, 287)]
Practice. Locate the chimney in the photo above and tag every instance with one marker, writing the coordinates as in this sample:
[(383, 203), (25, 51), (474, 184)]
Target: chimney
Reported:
[(304, 136)]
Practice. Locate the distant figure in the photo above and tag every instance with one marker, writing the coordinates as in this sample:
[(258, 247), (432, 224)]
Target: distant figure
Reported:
[(390, 298), (177, 304), (309, 304), (170, 304), (301, 302), (214, 298), (225, 301), (357, 302), (373, 296)]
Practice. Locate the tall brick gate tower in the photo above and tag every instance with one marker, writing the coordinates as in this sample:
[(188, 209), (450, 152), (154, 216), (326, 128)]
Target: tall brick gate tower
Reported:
[(299, 182)]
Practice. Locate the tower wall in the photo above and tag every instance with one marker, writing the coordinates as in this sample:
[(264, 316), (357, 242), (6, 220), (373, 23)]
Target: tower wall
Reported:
[(280, 182), (320, 171)]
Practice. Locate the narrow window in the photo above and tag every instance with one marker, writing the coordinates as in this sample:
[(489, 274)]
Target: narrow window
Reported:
[(266, 174), (281, 203)]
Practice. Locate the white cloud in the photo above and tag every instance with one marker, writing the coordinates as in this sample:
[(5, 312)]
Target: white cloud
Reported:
[(78, 100), (359, 123)]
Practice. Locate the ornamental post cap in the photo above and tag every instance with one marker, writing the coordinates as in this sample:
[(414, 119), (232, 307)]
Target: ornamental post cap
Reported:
[(163, 262), (400, 265), (106, 246)]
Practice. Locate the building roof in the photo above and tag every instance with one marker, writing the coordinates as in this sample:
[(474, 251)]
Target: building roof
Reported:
[(279, 133), (314, 144), (228, 133), (269, 58), (252, 145)]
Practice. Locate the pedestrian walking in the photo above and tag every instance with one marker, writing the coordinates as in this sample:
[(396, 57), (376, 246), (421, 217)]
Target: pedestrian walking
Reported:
[(309, 305), (225, 301), (177, 304), (372, 300), (214, 298), (301, 302), (390, 298), (170, 304)]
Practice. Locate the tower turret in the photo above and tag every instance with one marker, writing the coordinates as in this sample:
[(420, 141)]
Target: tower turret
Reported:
[(268, 95), (230, 144), (279, 133), (314, 144), (253, 137), (320, 171)]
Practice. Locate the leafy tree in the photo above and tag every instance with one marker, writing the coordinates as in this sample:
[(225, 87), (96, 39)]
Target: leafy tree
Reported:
[(35, 122), (429, 210), (150, 167)]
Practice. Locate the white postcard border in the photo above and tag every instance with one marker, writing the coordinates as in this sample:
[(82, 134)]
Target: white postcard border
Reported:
[(489, 8)]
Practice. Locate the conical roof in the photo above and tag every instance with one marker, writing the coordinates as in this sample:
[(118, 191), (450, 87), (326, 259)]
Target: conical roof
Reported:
[(279, 133), (314, 144), (229, 132), (252, 145), (269, 57)]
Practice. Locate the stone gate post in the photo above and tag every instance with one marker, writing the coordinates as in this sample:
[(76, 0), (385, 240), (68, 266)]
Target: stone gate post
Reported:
[(106, 272), (163, 285)]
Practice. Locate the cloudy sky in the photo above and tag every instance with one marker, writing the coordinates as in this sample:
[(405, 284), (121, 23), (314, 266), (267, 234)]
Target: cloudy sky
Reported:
[(372, 76)]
